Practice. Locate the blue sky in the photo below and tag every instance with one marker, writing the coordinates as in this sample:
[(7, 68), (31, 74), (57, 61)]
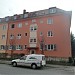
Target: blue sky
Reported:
[(11, 7)]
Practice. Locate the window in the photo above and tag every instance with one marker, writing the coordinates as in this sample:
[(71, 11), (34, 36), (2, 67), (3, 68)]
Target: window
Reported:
[(33, 28), (41, 33), (25, 34), (37, 13), (33, 21), (33, 40), (49, 21), (6, 19), (25, 47), (26, 23), (15, 17), (4, 27), (50, 33), (0, 20), (19, 36), (41, 21), (21, 16), (13, 25), (19, 25), (53, 10), (10, 47), (3, 36), (2, 47), (25, 15), (19, 47), (42, 13), (11, 36), (51, 47)]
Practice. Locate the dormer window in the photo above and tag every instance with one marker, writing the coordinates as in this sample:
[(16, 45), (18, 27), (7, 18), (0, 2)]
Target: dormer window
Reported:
[(42, 13), (15, 17), (25, 15), (52, 10), (0, 20), (6, 19)]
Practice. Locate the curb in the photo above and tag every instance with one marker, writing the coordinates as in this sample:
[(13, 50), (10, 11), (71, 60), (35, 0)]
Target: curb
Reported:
[(5, 62)]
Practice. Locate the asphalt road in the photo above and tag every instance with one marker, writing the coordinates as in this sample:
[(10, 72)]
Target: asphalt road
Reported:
[(9, 70)]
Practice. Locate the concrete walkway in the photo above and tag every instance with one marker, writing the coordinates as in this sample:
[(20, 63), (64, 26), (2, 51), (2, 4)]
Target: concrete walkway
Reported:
[(61, 67)]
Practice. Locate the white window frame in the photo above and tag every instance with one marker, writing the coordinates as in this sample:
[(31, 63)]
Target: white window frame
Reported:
[(25, 15), (3, 36), (6, 19), (10, 47), (18, 36), (41, 21), (26, 23), (41, 33), (2, 47), (25, 46), (50, 47), (49, 34), (34, 20), (0, 20), (33, 28), (20, 25), (32, 40), (4, 27), (15, 17), (18, 47), (11, 36), (52, 10), (49, 21)]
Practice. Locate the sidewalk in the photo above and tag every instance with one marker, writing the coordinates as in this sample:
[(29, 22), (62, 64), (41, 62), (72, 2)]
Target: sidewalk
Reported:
[(62, 67), (5, 62)]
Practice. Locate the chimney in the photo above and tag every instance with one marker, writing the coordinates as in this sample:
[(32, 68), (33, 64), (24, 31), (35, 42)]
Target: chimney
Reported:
[(24, 11)]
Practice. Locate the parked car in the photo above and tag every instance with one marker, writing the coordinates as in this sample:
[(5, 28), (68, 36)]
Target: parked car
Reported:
[(32, 60)]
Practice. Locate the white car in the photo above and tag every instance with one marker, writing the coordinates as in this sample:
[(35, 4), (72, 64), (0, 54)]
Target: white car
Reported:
[(32, 60)]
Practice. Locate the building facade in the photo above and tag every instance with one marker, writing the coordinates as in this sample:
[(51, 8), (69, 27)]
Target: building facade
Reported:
[(40, 32)]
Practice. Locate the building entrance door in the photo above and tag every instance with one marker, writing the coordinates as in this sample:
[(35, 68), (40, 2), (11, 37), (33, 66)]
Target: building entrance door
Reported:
[(32, 52)]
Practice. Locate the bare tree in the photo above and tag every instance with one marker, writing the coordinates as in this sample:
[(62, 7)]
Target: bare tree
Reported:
[(42, 44), (12, 44)]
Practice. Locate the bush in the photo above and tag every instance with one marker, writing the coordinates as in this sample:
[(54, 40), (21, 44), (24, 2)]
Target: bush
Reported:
[(58, 63)]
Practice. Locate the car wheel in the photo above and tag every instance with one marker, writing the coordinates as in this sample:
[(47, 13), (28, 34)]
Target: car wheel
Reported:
[(33, 66), (14, 64)]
